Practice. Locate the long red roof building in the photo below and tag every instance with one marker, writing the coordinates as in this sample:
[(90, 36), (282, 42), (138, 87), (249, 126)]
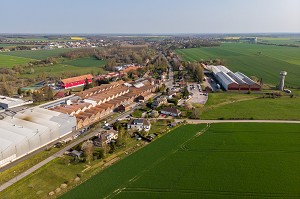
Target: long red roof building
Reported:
[(75, 81)]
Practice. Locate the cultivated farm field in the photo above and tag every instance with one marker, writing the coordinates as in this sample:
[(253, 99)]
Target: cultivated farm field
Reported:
[(38, 54), (262, 61), (58, 70), (9, 61), (229, 160)]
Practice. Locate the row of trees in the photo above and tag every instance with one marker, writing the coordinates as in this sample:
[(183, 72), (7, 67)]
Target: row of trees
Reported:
[(45, 94), (196, 70), (114, 55)]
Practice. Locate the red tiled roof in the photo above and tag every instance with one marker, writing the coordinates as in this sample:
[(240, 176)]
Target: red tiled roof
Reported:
[(78, 78)]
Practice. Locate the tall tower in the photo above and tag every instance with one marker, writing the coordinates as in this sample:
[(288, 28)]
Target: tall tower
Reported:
[(282, 77)]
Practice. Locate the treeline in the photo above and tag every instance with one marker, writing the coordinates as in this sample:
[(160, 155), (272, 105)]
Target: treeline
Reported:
[(138, 54), (286, 45), (173, 44), (195, 69)]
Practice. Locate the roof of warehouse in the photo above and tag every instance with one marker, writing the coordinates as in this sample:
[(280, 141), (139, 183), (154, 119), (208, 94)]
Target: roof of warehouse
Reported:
[(225, 78), (46, 111), (35, 119), (236, 78), (10, 101), (78, 78), (27, 124), (223, 69), (16, 129), (4, 143), (245, 78), (11, 136)]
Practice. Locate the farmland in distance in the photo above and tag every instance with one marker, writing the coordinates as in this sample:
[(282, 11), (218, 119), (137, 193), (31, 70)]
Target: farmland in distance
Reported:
[(261, 61)]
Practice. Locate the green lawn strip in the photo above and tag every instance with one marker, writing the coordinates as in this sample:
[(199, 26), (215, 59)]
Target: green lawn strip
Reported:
[(284, 108), (25, 165)]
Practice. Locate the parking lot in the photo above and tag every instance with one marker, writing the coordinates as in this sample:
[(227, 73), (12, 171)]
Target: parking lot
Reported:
[(198, 96)]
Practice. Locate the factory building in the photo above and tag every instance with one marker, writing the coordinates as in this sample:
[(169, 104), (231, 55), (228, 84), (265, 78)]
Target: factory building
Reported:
[(8, 102), (75, 81), (233, 81), (31, 129)]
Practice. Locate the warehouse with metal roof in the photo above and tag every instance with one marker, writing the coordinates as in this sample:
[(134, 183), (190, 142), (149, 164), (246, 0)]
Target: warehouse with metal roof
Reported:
[(233, 81), (31, 129), (8, 102)]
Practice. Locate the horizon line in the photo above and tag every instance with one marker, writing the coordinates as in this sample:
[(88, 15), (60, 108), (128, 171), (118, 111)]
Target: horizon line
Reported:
[(163, 34)]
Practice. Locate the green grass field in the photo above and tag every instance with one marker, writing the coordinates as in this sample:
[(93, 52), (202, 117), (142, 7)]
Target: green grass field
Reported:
[(246, 58), (279, 40), (86, 62), (57, 70), (233, 160), (283, 108), (38, 54), (9, 61)]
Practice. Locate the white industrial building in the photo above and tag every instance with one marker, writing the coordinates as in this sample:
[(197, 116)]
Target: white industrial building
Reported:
[(8, 102), (233, 81), (31, 129)]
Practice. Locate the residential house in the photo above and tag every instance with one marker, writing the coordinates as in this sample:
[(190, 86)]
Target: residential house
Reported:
[(159, 101), (171, 111), (139, 124), (106, 137)]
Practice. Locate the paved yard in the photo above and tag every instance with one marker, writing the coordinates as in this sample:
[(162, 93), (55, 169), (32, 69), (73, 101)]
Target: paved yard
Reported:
[(198, 96)]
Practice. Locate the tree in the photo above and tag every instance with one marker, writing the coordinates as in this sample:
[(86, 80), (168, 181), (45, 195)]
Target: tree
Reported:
[(87, 84), (31, 70), (49, 93), (112, 147), (185, 92), (121, 141), (150, 101), (167, 91), (19, 91), (7, 89), (196, 113), (88, 149), (154, 114), (199, 73), (37, 96), (188, 106), (28, 92), (101, 153), (117, 126)]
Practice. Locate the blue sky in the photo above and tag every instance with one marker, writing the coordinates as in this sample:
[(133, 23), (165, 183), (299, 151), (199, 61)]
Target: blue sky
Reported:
[(149, 16)]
